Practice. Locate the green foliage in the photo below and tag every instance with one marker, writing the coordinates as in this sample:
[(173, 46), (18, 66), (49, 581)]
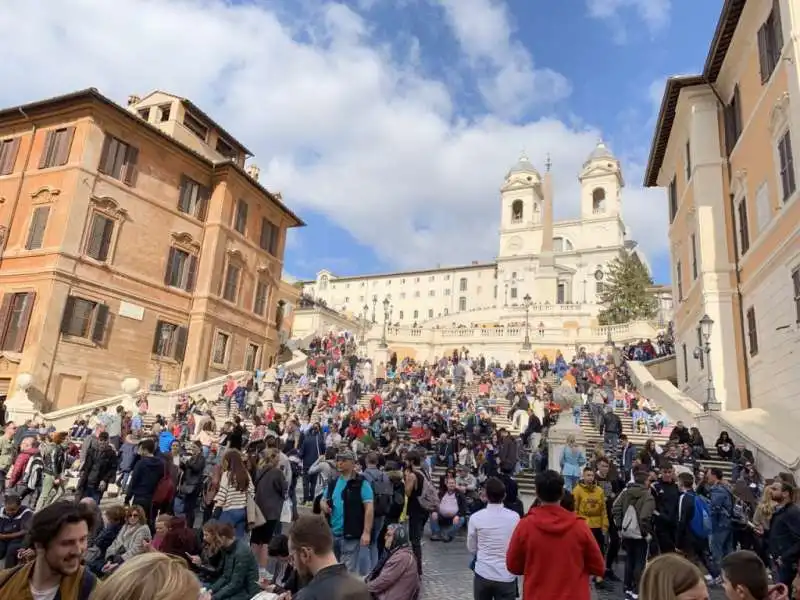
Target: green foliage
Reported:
[(625, 296)]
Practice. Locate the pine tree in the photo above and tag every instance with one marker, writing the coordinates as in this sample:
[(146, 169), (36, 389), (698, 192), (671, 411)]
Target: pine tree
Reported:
[(625, 296)]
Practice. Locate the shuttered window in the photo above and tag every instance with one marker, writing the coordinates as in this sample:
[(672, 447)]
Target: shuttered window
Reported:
[(752, 331), (193, 198), (672, 194), (732, 114), (181, 269), (260, 303), (8, 155), (231, 287), (240, 222), (15, 316), (38, 226), (57, 144), (796, 293), (170, 341), (85, 319), (251, 357), (269, 237), (744, 227), (770, 42), (119, 160), (101, 231), (220, 353), (788, 183)]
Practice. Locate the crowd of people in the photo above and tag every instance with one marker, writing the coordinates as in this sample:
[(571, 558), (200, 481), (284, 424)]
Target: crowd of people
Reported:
[(326, 482)]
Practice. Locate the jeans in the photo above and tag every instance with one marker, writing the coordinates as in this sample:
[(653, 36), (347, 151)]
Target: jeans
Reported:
[(576, 414), (8, 552), (445, 526), (635, 559), (93, 493), (309, 486), (486, 589), (186, 506), (236, 517), (570, 481), (611, 441), (721, 544), (352, 555), (377, 530), (416, 527)]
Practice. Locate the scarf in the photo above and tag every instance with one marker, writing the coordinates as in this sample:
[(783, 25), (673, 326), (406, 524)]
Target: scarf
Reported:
[(399, 540)]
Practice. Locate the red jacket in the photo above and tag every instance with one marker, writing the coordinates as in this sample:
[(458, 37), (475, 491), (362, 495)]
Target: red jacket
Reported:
[(556, 552)]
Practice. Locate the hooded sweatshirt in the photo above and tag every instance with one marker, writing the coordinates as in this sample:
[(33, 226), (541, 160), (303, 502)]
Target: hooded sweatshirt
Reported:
[(590, 505), (556, 552)]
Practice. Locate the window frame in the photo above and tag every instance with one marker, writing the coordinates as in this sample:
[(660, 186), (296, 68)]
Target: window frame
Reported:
[(109, 244), (119, 160), (175, 348), (36, 228), (226, 283), (742, 226), (57, 147), (220, 333), (672, 197), (28, 299), (193, 198), (97, 323), (186, 272), (752, 331), (9, 151), (256, 356), (795, 279), (786, 173), (240, 216), (695, 269), (257, 299)]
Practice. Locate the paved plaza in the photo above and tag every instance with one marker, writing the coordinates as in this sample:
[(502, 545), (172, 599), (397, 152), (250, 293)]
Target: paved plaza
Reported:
[(447, 574)]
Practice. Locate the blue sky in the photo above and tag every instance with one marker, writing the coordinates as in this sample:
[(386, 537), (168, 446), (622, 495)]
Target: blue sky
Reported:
[(388, 125)]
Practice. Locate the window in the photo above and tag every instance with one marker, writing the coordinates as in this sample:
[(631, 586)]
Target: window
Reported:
[(679, 280), (495, 291), (226, 150), (400, 315), (403, 280), (561, 293), (346, 299), (445, 312), (673, 200), (144, 113), (241, 216), (688, 159), (181, 269), (516, 211), (57, 144), (733, 121), (694, 256), (221, 343), (193, 198), (402, 295), (101, 231), (770, 42), (431, 293), (38, 225), (231, 286), (700, 344), (416, 314), (560, 244), (416, 279), (432, 278), (462, 284), (194, 125), (165, 112), (8, 155), (787, 166), (416, 294), (269, 237), (251, 357), (118, 160), (260, 303), (15, 315), (796, 292), (462, 303), (752, 333), (447, 277), (744, 231), (447, 292), (763, 207), (599, 287), (513, 293), (170, 340), (85, 319), (685, 364), (430, 313), (598, 201)]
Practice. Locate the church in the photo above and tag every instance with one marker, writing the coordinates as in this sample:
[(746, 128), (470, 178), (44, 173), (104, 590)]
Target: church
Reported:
[(547, 273)]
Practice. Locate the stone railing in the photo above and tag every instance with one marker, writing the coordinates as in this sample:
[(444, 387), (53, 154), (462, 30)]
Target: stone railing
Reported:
[(772, 440), (162, 403)]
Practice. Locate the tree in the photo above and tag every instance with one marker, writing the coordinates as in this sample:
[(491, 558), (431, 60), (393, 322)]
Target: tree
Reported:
[(625, 296)]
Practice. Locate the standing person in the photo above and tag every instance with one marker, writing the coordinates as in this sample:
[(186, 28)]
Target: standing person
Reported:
[(488, 535), (191, 480), (691, 535), (666, 493), (271, 488), (721, 500), (53, 462), (633, 514), (553, 548), (590, 505), (573, 459), (311, 550), (415, 480), (7, 452), (59, 535), (98, 470), (382, 492), (312, 446), (145, 476), (230, 502), (612, 485), (349, 501), (784, 532)]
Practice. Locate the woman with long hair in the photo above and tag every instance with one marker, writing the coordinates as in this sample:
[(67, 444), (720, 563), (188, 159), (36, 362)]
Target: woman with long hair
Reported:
[(54, 456), (238, 578), (230, 502), (395, 577), (271, 488), (151, 576), (672, 577), (133, 539)]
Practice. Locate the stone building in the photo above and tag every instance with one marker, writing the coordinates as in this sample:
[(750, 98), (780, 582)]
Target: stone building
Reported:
[(134, 244)]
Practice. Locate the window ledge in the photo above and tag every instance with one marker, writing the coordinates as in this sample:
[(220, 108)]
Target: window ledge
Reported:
[(220, 366), (78, 341), (103, 264), (164, 360)]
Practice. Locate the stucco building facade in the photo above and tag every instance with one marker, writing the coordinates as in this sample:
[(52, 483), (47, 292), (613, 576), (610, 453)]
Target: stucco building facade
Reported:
[(724, 150), (134, 244)]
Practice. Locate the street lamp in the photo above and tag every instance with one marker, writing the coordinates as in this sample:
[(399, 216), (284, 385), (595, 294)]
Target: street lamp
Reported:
[(162, 344), (526, 345), (374, 302), (364, 320), (385, 322), (706, 326)]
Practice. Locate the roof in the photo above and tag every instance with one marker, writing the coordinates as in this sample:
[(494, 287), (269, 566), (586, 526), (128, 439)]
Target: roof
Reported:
[(92, 94), (601, 152), (471, 266), (523, 165), (720, 43)]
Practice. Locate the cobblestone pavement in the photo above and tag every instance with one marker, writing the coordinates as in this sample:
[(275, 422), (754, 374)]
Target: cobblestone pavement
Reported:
[(446, 574)]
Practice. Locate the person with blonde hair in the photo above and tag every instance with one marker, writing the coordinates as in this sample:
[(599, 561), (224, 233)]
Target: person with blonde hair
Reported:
[(573, 459), (151, 576), (672, 577)]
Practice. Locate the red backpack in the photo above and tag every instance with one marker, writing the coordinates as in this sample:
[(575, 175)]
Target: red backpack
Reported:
[(165, 490)]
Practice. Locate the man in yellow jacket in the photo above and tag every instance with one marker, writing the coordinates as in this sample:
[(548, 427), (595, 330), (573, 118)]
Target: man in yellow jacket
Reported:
[(590, 505)]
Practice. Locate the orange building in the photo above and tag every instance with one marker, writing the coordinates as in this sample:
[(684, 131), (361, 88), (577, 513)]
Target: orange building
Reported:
[(724, 151), (133, 244)]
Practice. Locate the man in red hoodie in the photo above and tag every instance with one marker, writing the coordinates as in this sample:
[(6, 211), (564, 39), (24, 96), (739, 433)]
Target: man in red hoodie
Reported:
[(554, 548)]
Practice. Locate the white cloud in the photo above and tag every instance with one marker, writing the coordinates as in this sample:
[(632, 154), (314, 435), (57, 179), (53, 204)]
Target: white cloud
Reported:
[(509, 82), (655, 14), (337, 124)]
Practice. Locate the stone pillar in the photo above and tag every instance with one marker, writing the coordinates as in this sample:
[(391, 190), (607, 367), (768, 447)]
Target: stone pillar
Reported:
[(557, 438), (546, 286), (130, 385)]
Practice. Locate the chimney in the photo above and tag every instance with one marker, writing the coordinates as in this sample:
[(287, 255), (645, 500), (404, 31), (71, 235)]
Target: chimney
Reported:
[(253, 171), (133, 99)]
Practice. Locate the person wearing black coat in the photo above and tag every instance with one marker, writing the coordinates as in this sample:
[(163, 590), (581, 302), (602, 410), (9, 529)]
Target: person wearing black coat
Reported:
[(312, 446), (667, 494), (98, 469), (784, 532), (190, 482), (686, 542)]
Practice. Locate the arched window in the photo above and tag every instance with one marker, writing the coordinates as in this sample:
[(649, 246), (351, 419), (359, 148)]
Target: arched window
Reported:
[(462, 304), (516, 211), (598, 201), (561, 244), (323, 283)]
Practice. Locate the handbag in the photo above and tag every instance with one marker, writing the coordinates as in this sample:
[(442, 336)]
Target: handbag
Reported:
[(255, 518), (286, 511)]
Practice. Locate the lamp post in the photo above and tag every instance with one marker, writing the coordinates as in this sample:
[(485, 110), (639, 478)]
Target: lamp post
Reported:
[(706, 326), (162, 344), (609, 339), (526, 345), (364, 320), (385, 322), (374, 302)]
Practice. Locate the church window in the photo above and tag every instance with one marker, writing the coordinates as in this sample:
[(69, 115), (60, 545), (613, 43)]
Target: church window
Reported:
[(430, 313), (513, 293), (514, 276), (561, 293), (401, 315), (561, 244), (598, 201), (416, 314), (462, 284), (462, 303), (516, 211)]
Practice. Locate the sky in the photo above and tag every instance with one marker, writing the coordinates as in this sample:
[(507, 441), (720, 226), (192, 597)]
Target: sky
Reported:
[(388, 125)]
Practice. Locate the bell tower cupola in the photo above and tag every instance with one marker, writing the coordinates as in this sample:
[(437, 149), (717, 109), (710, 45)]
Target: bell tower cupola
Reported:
[(601, 184)]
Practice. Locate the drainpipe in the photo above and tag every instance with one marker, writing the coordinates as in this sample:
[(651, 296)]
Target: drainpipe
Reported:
[(736, 261), (19, 185)]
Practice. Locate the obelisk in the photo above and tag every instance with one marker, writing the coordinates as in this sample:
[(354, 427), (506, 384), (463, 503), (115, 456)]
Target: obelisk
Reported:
[(546, 285)]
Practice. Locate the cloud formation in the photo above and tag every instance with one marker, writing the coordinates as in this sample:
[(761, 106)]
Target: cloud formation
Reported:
[(339, 124), (655, 14)]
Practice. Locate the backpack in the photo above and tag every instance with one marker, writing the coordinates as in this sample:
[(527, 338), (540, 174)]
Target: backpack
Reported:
[(32, 475), (165, 489), (700, 525), (630, 528), (428, 496), (382, 492)]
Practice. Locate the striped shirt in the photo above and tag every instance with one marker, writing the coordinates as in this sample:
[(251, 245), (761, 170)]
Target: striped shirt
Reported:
[(229, 497)]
